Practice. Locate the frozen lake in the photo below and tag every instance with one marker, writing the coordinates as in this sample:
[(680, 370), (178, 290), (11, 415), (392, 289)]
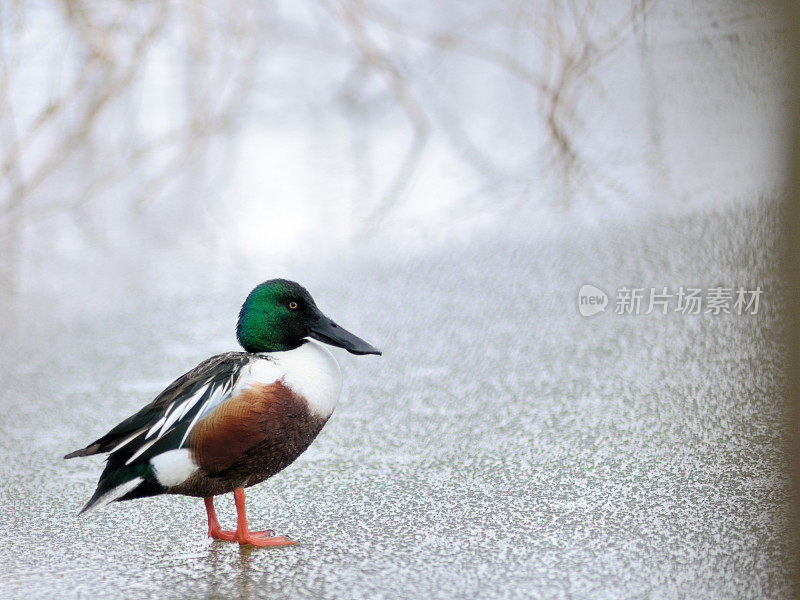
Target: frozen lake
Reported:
[(503, 447)]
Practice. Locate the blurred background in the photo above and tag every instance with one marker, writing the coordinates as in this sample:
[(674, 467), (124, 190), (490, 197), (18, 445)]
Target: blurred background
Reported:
[(444, 177), (175, 141)]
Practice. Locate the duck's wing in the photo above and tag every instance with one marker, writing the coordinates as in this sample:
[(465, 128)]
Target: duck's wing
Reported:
[(211, 375), (149, 449)]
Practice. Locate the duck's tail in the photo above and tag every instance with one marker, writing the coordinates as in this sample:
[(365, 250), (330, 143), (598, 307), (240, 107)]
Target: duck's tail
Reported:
[(88, 451), (121, 481), (103, 496)]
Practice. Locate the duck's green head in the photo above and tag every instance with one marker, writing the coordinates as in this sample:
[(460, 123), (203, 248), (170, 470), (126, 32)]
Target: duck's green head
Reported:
[(279, 315)]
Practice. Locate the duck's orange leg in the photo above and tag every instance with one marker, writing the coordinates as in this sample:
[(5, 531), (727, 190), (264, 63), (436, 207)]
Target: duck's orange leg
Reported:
[(245, 536), (217, 532), (214, 529)]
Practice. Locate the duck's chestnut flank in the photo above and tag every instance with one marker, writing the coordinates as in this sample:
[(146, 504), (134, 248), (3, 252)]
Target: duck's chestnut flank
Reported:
[(237, 418), (250, 438)]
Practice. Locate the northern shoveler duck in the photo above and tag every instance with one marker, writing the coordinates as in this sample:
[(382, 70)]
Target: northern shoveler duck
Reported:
[(237, 418)]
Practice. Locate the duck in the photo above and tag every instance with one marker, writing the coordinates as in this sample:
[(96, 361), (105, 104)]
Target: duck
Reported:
[(237, 418)]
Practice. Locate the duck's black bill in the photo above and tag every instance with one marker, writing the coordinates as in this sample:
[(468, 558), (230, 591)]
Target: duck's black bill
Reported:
[(329, 332)]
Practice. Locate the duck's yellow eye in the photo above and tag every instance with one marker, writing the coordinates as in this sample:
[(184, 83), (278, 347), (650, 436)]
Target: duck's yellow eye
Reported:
[(292, 305)]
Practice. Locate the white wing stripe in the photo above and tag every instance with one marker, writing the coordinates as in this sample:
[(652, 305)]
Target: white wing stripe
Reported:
[(191, 426), (168, 423), (126, 440), (141, 450), (155, 427), (177, 414), (192, 401), (220, 393)]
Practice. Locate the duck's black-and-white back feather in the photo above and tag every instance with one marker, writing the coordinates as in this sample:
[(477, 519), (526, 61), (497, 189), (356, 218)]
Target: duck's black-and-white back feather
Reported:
[(160, 427)]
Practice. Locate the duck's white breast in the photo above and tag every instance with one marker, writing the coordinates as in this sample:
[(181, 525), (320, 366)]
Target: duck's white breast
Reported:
[(310, 371)]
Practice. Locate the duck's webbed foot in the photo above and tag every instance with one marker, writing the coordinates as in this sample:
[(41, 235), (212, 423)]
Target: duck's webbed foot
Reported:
[(256, 538), (243, 535), (250, 537), (222, 534)]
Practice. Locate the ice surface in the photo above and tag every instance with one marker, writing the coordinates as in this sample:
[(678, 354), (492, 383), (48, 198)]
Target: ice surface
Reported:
[(503, 446)]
